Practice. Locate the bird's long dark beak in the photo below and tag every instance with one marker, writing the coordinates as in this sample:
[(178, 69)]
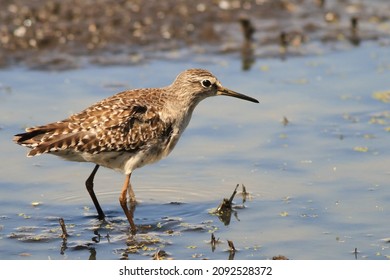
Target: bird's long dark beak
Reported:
[(224, 91)]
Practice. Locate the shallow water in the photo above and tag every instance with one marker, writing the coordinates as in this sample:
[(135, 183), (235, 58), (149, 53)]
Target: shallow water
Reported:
[(319, 185)]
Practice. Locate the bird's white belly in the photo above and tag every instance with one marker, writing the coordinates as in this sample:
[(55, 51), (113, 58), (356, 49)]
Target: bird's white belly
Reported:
[(124, 162)]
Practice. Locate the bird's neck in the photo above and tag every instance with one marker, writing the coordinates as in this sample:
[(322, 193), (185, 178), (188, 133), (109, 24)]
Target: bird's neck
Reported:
[(181, 110)]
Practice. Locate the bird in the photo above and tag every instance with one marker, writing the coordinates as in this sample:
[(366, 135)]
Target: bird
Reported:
[(127, 130)]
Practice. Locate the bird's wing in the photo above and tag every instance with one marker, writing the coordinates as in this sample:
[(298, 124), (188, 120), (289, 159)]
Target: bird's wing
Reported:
[(126, 121)]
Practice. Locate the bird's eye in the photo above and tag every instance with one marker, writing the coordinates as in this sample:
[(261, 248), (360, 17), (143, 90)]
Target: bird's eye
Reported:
[(206, 83)]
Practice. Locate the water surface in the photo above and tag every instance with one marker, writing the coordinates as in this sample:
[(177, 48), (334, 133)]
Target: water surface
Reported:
[(318, 183)]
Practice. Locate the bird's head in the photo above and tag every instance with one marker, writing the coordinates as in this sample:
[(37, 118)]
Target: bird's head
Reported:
[(197, 84)]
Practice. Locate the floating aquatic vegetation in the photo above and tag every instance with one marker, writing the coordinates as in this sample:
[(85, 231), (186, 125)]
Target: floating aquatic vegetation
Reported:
[(283, 214), (361, 149), (383, 96)]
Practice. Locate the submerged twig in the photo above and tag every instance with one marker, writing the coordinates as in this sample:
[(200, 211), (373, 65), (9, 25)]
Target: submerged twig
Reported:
[(224, 210), (231, 246), (64, 234), (92, 254), (356, 252), (232, 250), (159, 255), (244, 194), (96, 238), (285, 121), (233, 194), (213, 242), (226, 204)]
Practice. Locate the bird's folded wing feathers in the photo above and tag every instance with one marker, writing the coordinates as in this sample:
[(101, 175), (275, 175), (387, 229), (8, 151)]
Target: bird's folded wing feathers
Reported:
[(118, 123)]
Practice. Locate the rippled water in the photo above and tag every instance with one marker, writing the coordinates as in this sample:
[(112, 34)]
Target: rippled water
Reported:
[(318, 184)]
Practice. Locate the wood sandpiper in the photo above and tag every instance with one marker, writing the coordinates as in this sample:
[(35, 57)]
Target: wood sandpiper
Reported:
[(127, 130)]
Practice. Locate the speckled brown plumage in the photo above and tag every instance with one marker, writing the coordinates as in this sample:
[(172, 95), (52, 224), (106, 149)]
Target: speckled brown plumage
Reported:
[(125, 122), (127, 130)]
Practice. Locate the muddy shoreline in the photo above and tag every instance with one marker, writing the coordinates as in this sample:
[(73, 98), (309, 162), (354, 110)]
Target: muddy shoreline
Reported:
[(54, 34)]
